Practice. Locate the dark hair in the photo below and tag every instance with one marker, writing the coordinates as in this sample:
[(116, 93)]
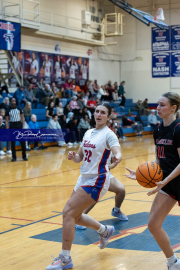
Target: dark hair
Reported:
[(174, 99), (122, 82), (54, 115), (107, 107)]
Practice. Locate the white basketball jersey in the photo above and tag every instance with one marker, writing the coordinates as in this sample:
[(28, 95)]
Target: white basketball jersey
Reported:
[(72, 72), (58, 70), (96, 154), (84, 72), (47, 66)]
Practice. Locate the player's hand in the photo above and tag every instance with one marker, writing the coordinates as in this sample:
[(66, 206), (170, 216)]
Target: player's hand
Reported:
[(132, 174), (159, 186), (115, 162), (71, 155)]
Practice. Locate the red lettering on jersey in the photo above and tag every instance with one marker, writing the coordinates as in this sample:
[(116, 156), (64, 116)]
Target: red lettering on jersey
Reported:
[(88, 144)]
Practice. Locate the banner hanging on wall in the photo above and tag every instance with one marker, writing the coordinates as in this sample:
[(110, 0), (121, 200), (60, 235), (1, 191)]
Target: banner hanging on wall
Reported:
[(175, 37), (175, 64), (160, 39), (160, 65), (50, 67), (10, 36)]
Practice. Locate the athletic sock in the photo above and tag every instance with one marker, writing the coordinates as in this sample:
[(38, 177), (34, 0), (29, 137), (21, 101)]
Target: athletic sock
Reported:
[(172, 260), (101, 229), (65, 253), (116, 209)]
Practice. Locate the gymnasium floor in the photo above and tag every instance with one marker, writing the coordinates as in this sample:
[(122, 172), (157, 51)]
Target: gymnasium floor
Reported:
[(34, 193)]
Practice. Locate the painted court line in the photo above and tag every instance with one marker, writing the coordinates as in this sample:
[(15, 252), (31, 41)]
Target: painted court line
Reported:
[(31, 220)]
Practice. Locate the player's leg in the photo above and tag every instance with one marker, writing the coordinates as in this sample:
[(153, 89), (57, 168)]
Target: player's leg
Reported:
[(117, 187), (162, 205)]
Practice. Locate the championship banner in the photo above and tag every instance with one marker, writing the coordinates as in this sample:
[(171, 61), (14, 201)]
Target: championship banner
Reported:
[(10, 36), (31, 135), (160, 39), (175, 64), (160, 65), (175, 37), (50, 67)]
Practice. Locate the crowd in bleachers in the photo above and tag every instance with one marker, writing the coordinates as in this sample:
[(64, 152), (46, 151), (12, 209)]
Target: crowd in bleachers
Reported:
[(71, 109)]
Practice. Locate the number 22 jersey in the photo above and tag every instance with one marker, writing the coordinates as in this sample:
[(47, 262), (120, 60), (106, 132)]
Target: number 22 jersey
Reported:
[(96, 146)]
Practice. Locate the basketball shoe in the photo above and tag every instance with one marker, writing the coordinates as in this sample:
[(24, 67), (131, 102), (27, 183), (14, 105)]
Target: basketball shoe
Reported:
[(174, 266), (105, 236), (79, 227), (119, 215), (60, 263)]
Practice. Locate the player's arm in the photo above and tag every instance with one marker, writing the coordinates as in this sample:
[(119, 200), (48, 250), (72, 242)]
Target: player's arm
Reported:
[(76, 157), (117, 156)]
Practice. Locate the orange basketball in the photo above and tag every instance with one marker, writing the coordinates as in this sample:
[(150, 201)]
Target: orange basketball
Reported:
[(148, 173), (62, 74), (42, 72)]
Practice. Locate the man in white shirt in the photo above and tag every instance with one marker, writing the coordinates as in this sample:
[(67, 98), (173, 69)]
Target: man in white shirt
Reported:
[(152, 119)]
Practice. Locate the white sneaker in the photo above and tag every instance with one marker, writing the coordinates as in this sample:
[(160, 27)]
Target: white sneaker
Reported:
[(2, 152), (105, 236), (60, 263), (174, 266), (70, 144), (75, 143), (9, 152)]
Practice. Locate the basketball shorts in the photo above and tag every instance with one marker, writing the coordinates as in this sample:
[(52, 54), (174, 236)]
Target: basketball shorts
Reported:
[(173, 189), (96, 185)]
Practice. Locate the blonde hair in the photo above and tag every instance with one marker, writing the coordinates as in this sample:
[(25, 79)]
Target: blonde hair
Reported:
[(174, 99)]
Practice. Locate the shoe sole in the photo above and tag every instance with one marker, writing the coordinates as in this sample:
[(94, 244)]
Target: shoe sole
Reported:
[(119, 218), (111, 233)]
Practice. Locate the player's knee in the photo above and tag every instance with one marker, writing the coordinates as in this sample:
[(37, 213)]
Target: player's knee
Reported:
[(121, 191), (67, 211), (153, 226)]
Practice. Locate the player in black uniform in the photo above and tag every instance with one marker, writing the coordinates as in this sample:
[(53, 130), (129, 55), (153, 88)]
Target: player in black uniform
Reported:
[(167, 141)]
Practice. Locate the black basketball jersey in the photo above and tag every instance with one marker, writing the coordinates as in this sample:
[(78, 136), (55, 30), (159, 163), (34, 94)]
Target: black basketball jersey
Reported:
[(167, 140)]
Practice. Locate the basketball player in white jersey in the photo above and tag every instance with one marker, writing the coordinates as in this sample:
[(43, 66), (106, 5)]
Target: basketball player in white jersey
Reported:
[(116, 187), (71, 63), (58, 67), (47, 67), (84, 70), (93, 183), (34, 65)]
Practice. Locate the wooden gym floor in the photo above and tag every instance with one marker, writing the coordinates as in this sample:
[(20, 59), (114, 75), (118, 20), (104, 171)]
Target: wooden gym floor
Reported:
[(32, 198)]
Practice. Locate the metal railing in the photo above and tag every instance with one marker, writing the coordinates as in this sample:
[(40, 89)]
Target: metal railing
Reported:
[(28, 13)]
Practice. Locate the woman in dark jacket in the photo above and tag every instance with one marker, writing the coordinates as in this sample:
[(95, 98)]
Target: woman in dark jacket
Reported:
[(137, 127)]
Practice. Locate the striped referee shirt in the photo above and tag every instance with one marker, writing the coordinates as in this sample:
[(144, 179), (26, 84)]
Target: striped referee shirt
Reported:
[(14, 114)]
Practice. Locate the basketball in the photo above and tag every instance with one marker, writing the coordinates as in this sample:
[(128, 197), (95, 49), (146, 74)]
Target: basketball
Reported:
[(148, 173), (42, 72)]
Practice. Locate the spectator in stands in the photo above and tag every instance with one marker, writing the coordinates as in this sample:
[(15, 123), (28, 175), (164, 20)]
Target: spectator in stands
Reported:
[(98, 101), (146, 106), (40, 84), (91, 89), (67, 109), (50, 110), (139, 107), (86, 97), (110, 90), (27, 111), (54, 124), (66, 131), (96, 87), (85, 87), (56, 98), (29, 94), (75, 133), (152, 119), (33, 124), (118, 130), (45, 95), (178, 115), (103, 94), (80, 102), (83, 125), (121, 93), (60, 110), (86, 111), (3, 113), (32, 82), (113, 113), (116, 86), (15, 118), (74, 105), (115, 96), (26, 82), (4, 88), (69, 117), (68, 89), (137, 127), (20, 97), (61, 93), (55, 87), (73, 87), (91, 104), (3, 126), (5, 104)]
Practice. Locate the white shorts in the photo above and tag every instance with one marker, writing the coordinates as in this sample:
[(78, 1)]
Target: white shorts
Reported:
[(96, 185)]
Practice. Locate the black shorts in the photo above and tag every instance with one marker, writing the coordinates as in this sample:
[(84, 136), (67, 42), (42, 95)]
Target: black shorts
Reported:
[(173, 189)]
